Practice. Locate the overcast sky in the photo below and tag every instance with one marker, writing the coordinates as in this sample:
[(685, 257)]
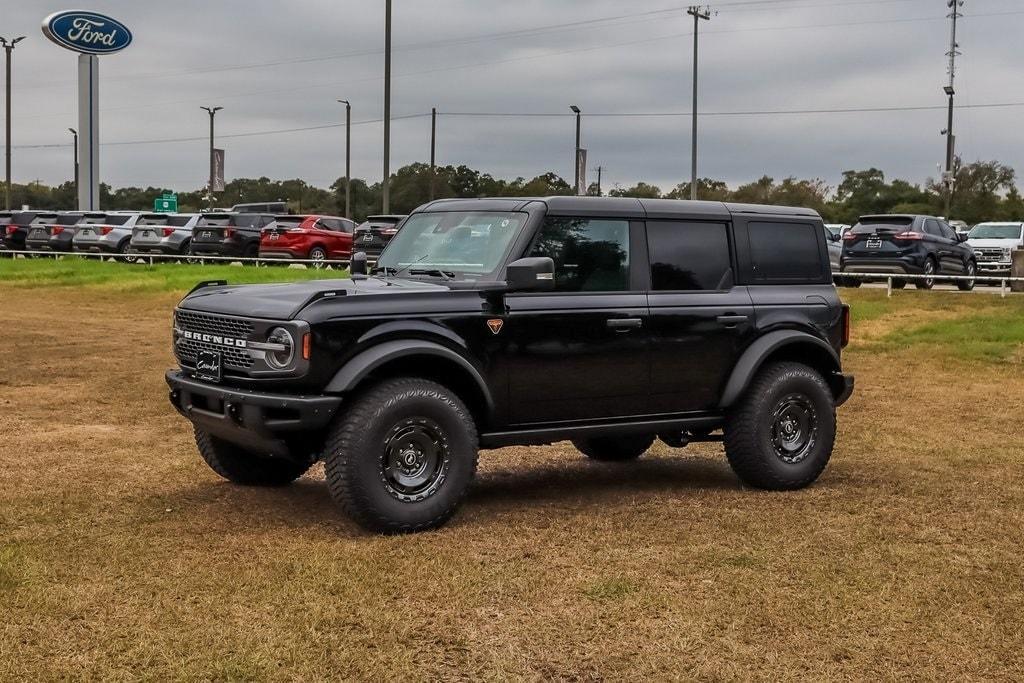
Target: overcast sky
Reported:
[(277, 64)]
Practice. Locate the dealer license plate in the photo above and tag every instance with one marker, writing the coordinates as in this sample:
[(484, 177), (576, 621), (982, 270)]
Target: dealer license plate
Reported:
[(208, 366)]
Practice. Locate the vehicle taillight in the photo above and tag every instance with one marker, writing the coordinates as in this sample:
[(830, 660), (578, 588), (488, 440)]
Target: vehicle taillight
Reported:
[(389, 231), (56, 229), (849, 236), (105, 230), (296, 230), (11, 229), (168, 232), (229, 232), (909, 235), (845, 331)]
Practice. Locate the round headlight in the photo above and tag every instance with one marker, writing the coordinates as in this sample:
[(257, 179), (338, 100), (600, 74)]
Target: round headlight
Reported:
[(280, 359)]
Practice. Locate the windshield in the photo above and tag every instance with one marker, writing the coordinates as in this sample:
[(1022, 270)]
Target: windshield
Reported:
[(995, 231), (460, 242)]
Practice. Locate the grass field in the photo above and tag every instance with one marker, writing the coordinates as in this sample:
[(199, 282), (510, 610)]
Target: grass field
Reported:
[(123, 557)]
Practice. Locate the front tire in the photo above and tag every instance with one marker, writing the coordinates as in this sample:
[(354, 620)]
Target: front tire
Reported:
[(318, 256), (614, 448), (780, 435), (401, 458), (240, 466)]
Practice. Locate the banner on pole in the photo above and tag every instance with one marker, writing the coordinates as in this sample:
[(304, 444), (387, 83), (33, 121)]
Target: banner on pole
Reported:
[(218, 170), (581, 171)]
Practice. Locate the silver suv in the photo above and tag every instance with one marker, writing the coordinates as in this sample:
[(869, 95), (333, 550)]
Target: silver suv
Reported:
[(163, 233), (105, 233)]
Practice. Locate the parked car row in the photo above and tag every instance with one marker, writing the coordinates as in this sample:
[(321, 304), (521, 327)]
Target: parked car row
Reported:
[(227, 233)]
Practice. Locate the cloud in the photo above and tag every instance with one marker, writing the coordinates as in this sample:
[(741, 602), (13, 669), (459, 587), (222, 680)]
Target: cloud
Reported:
[(451, 54)]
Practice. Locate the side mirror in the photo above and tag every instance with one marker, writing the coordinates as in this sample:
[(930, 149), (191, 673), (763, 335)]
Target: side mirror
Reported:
[(358, 264), (961, 237), (533, 274), (834, 237)]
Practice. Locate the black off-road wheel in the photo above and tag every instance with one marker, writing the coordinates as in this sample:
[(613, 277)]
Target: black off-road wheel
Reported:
[(780, 435), (614, 448), (240, 466), (401, 458)]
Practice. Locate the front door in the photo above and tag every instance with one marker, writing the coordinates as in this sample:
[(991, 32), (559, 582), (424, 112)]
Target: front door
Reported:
[(580, 352)]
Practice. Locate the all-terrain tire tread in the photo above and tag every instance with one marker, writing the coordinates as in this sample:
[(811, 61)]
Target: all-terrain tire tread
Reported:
[(342, 449), (741, 439)]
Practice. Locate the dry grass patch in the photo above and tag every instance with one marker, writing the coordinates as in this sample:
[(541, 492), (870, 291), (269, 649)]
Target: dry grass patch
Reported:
[(123, 557)]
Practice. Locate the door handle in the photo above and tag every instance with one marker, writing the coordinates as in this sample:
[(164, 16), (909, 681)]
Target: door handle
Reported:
[(731, 320), (624, 324)]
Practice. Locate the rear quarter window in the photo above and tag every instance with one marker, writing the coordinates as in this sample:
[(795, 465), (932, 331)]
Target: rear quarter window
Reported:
[(785, 252)]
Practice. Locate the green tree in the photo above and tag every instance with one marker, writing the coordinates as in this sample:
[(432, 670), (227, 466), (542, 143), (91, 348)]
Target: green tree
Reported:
[(641, 190)]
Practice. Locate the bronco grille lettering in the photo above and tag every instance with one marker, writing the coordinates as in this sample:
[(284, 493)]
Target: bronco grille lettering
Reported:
[(214, 339)]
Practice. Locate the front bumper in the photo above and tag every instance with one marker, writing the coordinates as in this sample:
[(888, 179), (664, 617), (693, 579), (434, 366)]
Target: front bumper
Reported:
[(255, 420)]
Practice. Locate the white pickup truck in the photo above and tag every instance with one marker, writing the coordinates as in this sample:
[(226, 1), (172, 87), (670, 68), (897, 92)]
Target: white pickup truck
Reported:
[(992, 244)]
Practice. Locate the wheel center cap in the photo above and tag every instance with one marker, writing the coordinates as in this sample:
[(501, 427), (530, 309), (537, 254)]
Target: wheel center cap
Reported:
[(409, 457)]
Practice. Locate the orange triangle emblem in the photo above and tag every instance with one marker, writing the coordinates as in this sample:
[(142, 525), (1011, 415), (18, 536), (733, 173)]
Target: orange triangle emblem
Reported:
[(495, 324)]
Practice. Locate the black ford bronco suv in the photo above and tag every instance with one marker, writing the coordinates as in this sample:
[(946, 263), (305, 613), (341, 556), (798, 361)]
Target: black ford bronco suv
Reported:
[(493, 322)]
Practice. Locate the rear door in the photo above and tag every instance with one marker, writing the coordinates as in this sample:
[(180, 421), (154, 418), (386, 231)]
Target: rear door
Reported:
[(700, 319), (581, 351), (940, 245)]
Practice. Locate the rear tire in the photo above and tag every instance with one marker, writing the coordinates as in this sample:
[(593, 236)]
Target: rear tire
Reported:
[(317, 254), (614, 448), (852, 282), (780, 434), (967, 285), (401, 458), (240, 466), (899, 284), (929, 269)]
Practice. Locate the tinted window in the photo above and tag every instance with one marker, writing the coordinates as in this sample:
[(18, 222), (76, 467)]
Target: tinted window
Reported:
[(931, 226), (785, 251), (687, 256), (947, 231), (68, 219), (883, 224), (246, 220), (590, 255), (178, 221), (113, 219)]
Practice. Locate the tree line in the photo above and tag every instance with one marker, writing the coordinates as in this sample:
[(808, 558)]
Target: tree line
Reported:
[(983, 190)]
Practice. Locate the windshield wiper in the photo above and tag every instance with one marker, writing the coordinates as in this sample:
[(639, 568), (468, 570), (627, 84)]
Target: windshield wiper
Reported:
[(385, 270), (444, 274)]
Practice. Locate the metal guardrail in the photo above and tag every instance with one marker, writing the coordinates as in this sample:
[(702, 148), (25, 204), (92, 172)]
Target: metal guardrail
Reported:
[(1003, 280), (130, 257), (258, 261)]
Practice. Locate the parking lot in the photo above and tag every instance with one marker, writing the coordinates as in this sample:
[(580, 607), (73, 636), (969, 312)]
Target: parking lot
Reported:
[(124, 556)]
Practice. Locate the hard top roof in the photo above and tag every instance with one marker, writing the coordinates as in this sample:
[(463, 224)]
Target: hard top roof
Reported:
[(621, 206)]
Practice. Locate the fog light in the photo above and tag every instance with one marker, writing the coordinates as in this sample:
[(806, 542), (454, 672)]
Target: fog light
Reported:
[(281, 356)]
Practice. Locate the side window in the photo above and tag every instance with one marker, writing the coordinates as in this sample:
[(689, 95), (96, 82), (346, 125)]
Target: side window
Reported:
[(785, 251), (931, 226), (687, 256), (328, 224), (347, 226), (590, 255), (947, 231)]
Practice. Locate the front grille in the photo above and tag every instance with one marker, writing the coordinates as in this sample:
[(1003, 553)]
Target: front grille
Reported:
[(188, 349), (989, 253)]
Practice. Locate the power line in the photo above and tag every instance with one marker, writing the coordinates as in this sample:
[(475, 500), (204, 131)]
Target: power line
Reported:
[(757, 112)]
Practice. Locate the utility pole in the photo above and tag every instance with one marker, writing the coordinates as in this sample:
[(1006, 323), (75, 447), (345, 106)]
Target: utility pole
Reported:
[(953, 53), (576, 155), (433, 148), (697, 13), (385, 184), (212, 111), (9, 48), (599, 169), (348, 158), (74, 133)]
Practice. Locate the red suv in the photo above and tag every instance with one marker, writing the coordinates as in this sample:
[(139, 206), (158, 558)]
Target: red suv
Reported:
[(317, 238)]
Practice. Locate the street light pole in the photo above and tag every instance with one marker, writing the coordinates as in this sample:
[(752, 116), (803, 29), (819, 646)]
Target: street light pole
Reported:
[(433, 149), (385, 184), (953, 53), (698, 14), (348, 158), (75, 134), (212, 111), (576, 156), (8, 48)]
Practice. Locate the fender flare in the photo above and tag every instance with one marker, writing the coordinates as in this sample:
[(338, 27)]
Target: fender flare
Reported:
[(752, 359), (365, 362)]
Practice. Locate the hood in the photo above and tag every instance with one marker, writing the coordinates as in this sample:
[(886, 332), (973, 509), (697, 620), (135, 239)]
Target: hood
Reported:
[(1002, 244), (284, 301)]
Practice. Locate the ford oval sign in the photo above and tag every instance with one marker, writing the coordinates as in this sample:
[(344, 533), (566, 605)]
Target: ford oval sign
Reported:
[(88, 32)]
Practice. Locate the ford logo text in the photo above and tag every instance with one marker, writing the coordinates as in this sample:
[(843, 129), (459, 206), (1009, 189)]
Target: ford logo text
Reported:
[(87, 32)]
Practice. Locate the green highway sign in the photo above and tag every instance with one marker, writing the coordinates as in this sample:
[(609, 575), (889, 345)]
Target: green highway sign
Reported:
[(167, 203)]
